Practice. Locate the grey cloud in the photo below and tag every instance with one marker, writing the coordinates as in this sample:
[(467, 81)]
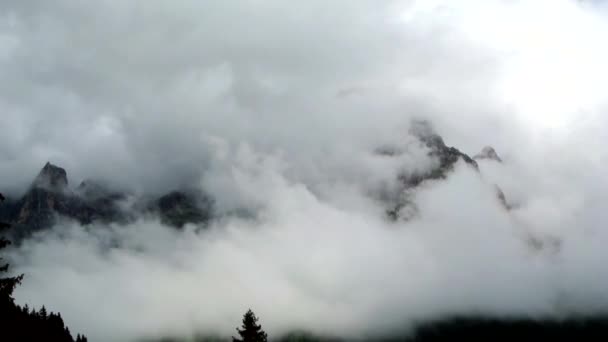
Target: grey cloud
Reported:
[(137, 85), (279, 108)]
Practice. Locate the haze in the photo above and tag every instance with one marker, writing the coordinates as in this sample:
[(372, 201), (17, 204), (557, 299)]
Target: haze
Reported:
[(277, 110)]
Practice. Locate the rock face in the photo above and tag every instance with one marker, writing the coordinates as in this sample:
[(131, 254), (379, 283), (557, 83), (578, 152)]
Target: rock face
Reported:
[(488, 153), (447, 156), (51, 177), (47, 196), (50, 198), (402, 206)]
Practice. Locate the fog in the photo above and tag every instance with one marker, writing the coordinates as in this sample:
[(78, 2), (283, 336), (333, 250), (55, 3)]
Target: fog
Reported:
[(277, 109)]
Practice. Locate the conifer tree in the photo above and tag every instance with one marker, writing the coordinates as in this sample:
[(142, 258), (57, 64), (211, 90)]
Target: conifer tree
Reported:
[(7, 284), (20, 323), (251, 331), (43, 313), (80, 338)]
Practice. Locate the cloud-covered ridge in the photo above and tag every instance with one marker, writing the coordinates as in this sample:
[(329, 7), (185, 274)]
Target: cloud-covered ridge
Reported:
[(295, 119)]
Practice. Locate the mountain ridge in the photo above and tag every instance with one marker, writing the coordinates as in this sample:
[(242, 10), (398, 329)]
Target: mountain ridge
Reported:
[(50, 197)]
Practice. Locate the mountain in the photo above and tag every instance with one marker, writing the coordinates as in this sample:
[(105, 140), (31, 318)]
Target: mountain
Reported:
[(52, 178), (179, 208), (49, 197), (488, 152), (448, 156), (401, 204)]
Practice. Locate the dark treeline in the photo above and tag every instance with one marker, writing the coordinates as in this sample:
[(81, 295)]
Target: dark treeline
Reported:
[(22, 323), (470, 329), (485, 329), (498, 330)]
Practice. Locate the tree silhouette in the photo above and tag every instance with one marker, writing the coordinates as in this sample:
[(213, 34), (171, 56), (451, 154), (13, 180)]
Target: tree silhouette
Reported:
[(80, 338), (251, 331), (7, 284)]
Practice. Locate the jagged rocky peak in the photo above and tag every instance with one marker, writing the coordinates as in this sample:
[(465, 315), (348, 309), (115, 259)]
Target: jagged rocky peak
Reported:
[(51, 177), (424, 131), (447, 156), (49, 199), (400, 204), (489, 153)]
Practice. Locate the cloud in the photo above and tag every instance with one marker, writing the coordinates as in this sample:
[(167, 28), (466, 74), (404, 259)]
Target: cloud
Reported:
[(312, 261), (141, 84), (277, 109)]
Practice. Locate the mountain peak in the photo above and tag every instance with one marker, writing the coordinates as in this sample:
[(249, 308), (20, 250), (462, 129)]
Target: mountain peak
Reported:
[(424, 131), (52, 177), (488, 152)]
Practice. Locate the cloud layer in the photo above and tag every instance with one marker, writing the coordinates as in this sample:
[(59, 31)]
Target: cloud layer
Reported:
[(277, 108)]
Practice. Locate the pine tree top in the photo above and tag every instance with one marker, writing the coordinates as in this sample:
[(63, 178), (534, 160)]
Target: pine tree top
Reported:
[(250, 330)]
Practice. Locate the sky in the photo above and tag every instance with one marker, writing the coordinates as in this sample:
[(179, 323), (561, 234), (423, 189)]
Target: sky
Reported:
[(278, 108)]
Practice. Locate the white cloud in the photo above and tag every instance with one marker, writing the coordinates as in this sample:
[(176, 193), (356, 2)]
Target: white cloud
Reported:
[(277, 108)]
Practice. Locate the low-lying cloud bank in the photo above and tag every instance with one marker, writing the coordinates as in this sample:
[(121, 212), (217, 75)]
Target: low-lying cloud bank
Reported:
[(277, 109), (326, 262)]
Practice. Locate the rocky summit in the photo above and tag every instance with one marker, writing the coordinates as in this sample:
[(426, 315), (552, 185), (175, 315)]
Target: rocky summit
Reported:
[(488, 153), (401, 205), (49, 198), (51, 177), (446, 155)]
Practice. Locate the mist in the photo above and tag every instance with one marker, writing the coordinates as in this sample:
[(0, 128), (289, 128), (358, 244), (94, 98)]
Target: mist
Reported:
[(278, 110)]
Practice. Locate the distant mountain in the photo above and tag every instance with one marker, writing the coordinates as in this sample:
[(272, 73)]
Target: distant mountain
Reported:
[(488, 152), (401, 205), (448, 156), (49, 197)]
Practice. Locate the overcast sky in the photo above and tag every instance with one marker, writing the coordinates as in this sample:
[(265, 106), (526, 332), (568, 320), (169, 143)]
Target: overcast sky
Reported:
[(133, 91), (277, 107)]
